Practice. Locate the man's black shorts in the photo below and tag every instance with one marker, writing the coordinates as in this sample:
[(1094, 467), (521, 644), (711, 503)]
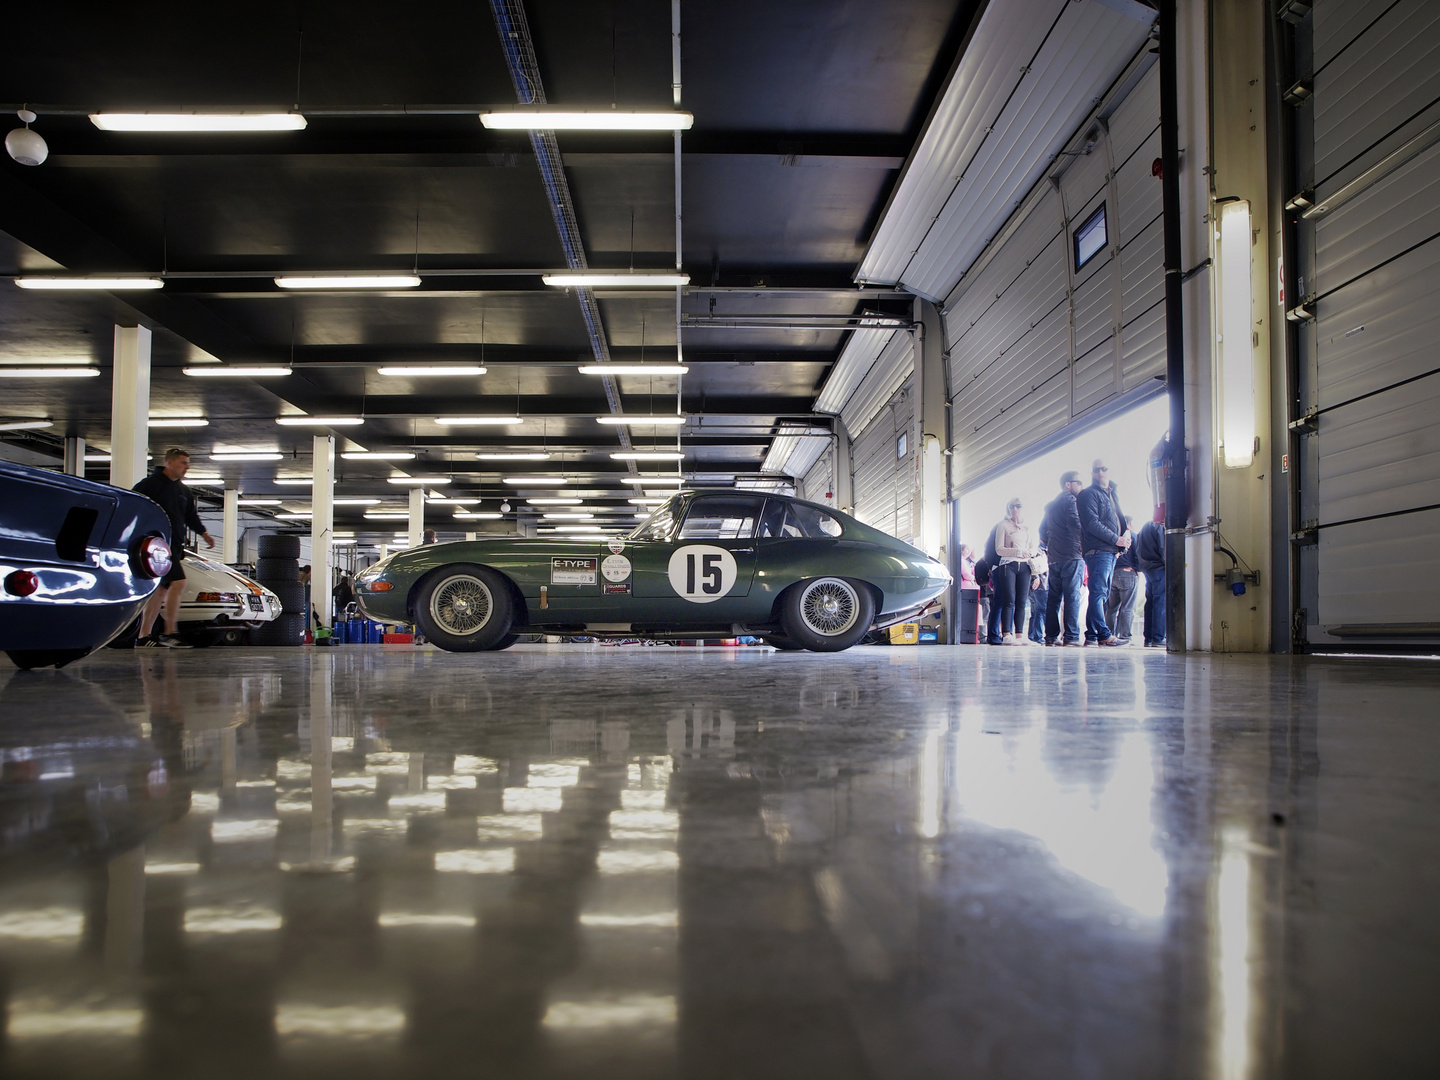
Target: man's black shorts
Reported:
[(177, 570)]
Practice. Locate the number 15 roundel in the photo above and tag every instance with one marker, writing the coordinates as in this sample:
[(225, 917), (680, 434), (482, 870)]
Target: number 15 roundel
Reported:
[(701, 573)]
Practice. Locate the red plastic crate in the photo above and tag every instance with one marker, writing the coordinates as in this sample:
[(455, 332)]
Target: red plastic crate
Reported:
[(398, 639)]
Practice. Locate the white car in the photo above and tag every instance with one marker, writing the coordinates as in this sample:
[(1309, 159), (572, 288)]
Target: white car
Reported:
[(218, 604)]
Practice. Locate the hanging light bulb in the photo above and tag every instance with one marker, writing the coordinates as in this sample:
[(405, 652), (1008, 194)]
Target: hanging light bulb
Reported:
[(24, 145)]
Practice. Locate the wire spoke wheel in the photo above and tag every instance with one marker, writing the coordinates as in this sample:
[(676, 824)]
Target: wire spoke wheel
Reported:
[(829, 606), (461, 605)]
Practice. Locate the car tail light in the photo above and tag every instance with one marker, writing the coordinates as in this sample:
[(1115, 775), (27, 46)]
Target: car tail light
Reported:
[(21, 583), (152, 557)]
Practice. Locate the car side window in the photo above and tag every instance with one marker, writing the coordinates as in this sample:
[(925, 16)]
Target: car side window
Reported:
[(661, 523), (722, 517), (773, 523), (809, 522)]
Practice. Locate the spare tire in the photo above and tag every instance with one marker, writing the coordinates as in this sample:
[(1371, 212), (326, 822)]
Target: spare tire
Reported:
[(286, 630), (268, 571), (279, 546), (292, 596)]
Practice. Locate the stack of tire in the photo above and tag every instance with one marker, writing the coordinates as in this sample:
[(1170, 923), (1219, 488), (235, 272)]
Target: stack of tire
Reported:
[(278, 569)]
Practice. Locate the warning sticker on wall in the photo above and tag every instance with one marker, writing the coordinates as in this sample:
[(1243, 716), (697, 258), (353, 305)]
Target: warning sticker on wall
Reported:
[(572, 571)]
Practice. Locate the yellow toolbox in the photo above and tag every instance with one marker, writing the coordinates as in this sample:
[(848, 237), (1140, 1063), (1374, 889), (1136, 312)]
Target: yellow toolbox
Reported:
[(905, 633)]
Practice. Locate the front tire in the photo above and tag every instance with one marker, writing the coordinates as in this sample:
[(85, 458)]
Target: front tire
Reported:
[(827, 614), (466, 609), (784, 644)]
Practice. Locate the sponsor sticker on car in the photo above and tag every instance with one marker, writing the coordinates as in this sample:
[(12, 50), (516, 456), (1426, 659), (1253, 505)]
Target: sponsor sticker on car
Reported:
[(622, 589), (616, 568), (573, 571)]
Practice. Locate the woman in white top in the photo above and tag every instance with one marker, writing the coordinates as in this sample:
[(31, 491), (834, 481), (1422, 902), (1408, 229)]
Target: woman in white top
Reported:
[(1015, 547)]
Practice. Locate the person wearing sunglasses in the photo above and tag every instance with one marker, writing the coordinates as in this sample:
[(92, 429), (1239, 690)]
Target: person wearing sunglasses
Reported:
[(1103, 537)]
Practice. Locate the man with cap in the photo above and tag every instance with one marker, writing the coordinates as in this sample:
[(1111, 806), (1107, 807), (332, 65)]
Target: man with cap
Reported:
[(1103, 537), (1060, 534)]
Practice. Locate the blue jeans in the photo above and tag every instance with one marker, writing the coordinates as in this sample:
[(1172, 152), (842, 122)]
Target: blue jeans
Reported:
[(1155, 607), (1066, 579), (1101, 565), (1039, 599)]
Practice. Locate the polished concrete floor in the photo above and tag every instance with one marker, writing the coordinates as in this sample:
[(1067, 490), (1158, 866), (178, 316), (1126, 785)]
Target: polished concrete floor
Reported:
[(589, 861)]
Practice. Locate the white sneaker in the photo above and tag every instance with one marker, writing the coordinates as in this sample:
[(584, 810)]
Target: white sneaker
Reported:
[(1007, 639)]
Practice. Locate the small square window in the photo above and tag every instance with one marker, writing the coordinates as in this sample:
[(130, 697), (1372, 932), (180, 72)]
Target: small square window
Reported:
[(902, 444), (1090, 237)]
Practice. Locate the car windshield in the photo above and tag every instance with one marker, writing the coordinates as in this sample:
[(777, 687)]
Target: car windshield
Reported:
[(722, 517), (658, 525)]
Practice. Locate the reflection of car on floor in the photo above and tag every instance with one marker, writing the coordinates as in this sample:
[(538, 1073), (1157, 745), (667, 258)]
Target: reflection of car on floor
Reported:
[(77, 562), (799, 575), (218, 604)]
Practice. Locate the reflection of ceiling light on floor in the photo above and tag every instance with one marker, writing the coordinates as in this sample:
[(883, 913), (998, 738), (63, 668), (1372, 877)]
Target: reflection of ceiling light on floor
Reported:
[(481, 861), (643, 824), (656, 918), (349, 1022), (509, 827), (393, 919), (636, 861), (642, 800), (239, 832), (238, 918), (448, 783), (172, 868), (42, 924), (38, 1018), (532, 800), (468, 763), (427, 802), (632, 1010)]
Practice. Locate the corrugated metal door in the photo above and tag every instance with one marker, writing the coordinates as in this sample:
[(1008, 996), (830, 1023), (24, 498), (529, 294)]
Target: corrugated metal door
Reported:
[(1369, 275), (885, 478), (1036, 341)]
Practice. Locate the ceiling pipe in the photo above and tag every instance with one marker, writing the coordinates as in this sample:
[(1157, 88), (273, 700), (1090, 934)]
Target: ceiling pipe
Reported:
[(519, 50)]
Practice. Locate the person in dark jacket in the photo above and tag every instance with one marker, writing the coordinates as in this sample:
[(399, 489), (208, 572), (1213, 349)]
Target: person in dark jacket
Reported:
[(1060, 536), (1103, 537), (164, 486), (1150, 558)]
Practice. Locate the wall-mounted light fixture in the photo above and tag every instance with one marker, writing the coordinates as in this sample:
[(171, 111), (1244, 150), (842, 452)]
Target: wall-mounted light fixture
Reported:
[(1237, 350)]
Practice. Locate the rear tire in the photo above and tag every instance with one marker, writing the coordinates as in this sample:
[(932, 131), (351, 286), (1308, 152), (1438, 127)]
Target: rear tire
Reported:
[(827, 614), (279, 546), (26, 659), (466, 608)]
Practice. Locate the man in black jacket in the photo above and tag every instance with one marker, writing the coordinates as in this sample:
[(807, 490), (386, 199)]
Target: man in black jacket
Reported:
[(1060, 533), (1150, 557), (1103, 537), (164, 487)]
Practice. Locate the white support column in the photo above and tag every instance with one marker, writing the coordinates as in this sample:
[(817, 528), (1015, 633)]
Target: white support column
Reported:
[(417, 515), (844, 471), (74, 456), (130, 406), (322, 525), (230, 528), (930, 410)]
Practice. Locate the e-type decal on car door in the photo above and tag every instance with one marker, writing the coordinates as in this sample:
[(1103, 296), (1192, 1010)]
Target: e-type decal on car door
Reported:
[(702, 573), (579, 571)]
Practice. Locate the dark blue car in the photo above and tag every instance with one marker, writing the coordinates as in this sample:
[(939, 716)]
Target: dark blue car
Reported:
[(77, 562)]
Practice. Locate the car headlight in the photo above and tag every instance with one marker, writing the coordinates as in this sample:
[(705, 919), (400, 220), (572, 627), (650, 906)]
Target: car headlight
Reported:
[(152, 558)]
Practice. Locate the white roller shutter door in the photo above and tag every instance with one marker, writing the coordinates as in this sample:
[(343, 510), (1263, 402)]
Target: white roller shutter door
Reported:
[(1037, 343), (1370, 256), (885, 481)]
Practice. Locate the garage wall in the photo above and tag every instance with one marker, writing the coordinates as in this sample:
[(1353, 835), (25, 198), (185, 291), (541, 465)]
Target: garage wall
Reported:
[(1370, 256), (884, 481), (820, 479), (1036, 344)]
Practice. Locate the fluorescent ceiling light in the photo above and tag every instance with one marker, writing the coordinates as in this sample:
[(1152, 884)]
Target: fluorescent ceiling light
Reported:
[(103, 284), (192, 122), (606, 120), (648, 455), (31, 425), (567, 517), (377, 455), (648, 502), (296, 515), (247, 455), (554, 502), (537, 481), (639, 279), (348, 281), (49, 372), (202, 481), (337, 541), (644, 480), (295, 481), (633, 369), (97, 457), (1237, 352), (178, 421), (258, 502), (657, 421), (449, 502), (478, 515), (513, 457), (578, 528), (477, 420), (432, 369), (354, 502), (386, 515), (237, 371), (417, 481), (319, 421)]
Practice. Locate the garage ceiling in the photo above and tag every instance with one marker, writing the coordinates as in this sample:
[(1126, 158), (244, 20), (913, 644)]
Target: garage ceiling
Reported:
[(804, 113)]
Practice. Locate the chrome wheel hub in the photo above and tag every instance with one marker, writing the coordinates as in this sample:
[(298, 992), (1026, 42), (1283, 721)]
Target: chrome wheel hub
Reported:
[(829, 606), (461, 605)]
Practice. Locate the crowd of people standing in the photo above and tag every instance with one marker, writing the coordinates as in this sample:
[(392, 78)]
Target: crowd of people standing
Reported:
[(1084, 543)]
